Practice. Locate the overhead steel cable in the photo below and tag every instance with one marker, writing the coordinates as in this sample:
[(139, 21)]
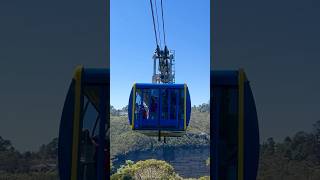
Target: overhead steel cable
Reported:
[(154, 25), (156, 7), (164, 32)]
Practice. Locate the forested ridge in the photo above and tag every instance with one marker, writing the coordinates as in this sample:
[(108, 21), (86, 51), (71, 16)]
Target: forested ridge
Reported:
[(295, 158)]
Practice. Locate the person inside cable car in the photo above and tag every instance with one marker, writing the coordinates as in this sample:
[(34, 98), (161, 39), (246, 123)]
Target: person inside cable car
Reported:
[(95, 141), (142, 109), (145, 106), (145, 111)]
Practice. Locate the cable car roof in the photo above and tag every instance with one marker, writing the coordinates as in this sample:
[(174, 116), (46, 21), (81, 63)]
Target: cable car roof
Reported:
[(225, 78), (159, 86)]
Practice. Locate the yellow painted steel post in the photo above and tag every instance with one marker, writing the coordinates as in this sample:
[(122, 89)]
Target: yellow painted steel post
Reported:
[(241, 80), (133, 103), (76, 123), (185, 107)]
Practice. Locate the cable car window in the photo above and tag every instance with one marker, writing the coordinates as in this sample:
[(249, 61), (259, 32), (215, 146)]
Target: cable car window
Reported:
[(138, 104), (154, 103), (228, 146), (87, 141), (181, 104), (173, 104), (146, 103), (138, 96), (164, 104), (90, 119)]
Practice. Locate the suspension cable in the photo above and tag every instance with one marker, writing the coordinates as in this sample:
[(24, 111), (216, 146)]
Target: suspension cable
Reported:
[(154, 25), (156, 7), (164, 33)]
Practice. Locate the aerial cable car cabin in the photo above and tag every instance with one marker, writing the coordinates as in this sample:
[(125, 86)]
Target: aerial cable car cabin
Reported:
[(234, 127), (159, 108), (83, 148)]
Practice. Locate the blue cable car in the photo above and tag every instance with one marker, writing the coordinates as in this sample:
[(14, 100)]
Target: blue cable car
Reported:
[(159, 109), (234, 127), (83, 149)]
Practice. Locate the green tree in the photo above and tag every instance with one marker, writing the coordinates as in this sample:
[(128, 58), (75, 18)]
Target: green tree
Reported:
[(5, 145), (9, 157), (148, 169)]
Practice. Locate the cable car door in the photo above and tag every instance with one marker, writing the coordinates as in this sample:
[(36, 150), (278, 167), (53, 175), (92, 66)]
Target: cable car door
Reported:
[(171, 104), (235, 127)]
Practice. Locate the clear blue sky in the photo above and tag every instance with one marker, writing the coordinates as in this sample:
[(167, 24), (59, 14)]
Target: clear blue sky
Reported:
[(133, 43)]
